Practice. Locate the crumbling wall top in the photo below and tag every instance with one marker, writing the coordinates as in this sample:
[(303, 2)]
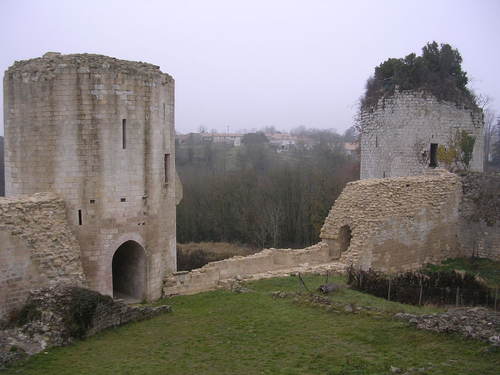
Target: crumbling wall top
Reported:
[(54, 62), (364, 204), (395, 223), (414, 100), (37, 248), (35, 198)]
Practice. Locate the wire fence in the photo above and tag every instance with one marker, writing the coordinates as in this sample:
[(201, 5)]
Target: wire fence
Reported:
[(425, 287)]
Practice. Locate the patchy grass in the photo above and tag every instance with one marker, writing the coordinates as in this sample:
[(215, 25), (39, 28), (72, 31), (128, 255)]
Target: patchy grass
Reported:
[(251, 333), (487, 269), (345, 296)]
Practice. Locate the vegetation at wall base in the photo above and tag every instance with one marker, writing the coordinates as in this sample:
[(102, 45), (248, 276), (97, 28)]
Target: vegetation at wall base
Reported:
[(82, 309), (28, 313), (78, 309), (438, 285), (487, 269), (223, 332)]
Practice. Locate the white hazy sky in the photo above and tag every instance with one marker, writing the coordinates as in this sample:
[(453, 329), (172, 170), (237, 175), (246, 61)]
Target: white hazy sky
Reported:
[(248, 64)]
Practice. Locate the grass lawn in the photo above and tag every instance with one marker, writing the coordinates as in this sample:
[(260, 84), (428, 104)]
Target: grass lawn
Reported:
[(223, 332)]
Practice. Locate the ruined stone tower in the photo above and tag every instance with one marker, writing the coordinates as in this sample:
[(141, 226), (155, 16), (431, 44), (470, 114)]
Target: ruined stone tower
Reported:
[(99, 132), (402, 133)]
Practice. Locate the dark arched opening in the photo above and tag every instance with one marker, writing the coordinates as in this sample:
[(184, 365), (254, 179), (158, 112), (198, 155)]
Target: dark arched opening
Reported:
[(129, 271), (344, 238)]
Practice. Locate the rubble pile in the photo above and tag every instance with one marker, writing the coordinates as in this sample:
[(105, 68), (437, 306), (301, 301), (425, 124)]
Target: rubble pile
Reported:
[(58, 315), (476, 322)]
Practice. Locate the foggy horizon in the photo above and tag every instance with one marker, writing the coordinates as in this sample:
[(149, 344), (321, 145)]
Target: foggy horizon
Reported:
[(249, 65)]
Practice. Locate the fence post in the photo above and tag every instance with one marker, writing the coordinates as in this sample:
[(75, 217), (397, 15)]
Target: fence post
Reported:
[(420, 295), (457, 297), (496, 295), (389, 290)]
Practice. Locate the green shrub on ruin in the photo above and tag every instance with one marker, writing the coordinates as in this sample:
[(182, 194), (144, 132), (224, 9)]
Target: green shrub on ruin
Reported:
[(457, 154), (466, 146), (437, 71), (27, 314), (82, 309), (447, 156)]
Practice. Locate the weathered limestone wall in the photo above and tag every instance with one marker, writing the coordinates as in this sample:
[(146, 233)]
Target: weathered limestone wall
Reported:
[(395, 224), (480, 215), (397, 134), (209, 276), (99, 132), (2, 173), (37, 248)]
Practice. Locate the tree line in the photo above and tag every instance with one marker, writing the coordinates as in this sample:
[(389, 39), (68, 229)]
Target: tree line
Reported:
[(255, 195)]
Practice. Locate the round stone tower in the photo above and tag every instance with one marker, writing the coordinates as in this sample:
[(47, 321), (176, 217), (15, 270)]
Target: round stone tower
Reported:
[(99, 132), (402, 134)]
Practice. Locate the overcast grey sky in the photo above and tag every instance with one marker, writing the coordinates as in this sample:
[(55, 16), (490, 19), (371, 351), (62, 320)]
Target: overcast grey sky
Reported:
[(249, 64)]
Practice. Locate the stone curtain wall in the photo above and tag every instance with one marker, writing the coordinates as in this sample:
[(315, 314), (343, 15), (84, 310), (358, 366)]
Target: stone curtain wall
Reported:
[(397, 134), (98, 131), (391, 224), (480, 215), (395, 224), (37, 248), (209, 276)]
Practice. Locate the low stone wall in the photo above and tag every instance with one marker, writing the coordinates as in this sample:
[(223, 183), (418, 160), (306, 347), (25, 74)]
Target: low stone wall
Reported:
[(209, 276), (118, 313), (37, 248), (396, 224), (480, 215)]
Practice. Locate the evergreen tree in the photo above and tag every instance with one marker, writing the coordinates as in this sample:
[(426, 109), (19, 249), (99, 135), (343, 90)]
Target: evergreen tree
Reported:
[(438, 70)]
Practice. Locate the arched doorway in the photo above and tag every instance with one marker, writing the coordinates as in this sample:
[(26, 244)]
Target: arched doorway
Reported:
[(129, 271), (344, 238)]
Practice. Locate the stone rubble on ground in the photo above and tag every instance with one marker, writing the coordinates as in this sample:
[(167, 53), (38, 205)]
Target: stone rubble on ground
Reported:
[(50, 326), (323, 301), (411, 370), (476, 322), (234, 284)]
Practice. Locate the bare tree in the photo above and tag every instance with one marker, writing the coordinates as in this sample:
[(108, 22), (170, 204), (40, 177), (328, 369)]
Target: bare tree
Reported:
[(274, 215), (482, 101)]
